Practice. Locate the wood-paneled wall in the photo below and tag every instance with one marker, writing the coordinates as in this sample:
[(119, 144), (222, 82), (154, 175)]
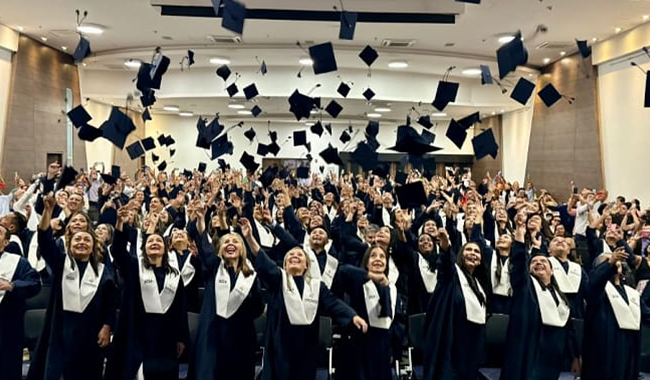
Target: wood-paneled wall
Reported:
[(480, 167)]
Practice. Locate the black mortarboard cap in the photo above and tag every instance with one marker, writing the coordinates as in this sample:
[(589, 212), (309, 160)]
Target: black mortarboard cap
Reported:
[(256, 111), (411, 195), (273, 135), (224, 72), (116, 171), (511, 55), (148, 98), (190, 58), (135, 150), (169, 140), (401, 177), (263, 68), (428, 137), (522, 91), (425, 121), (299, 138), (89, 133), (585, 50), (150, 75), (485, 144), (220, 147), (68, 175), (549, 95), (262, 149), (372, 142), (172, 152), (188, 174), (112, 134), (486, 75), (372, 129), (202, 167), (222, 163), (232, 90), (250, 91), (274, 148), (250, 134), (365, 156), (348, 25), (328, 128), (249, 162), (154, 157), (322, 169), (117, 127), (78, 116), (82, 50), (368, 94), (429, 165), (162, 140), (109, 179), (334, 109), (146, 116), (162, 166), (470, 120), (331, 155), (469, 1), (456, 133), (445, 94), (381, 170), (368, 55), (268, 176), (646, 99), (300, 105), (416, 161), (148, 143), (343, 89), (234, 15), (302, 172), (409, 141), (323, 57), (317, 128), (345, 137)]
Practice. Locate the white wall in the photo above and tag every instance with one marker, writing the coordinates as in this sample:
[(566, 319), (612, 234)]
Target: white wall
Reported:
[(625, 131), (5, 84), (516, 127)]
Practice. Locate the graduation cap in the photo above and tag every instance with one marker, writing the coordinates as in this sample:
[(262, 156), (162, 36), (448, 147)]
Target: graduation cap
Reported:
[(249, 162), (188, 174), (343, 89), (485, 144), (116, 171), (68, 175), (250, 134), (89, 133), (323, 57), (135, 150), (148, 98), (299, 138), (334, 109), (268, 176), (82, 50), (381, 170), (585, 50), (150, 74), (550, 95), (263, 68), (109, 179), (368, 94), (250, 91), (300, 105), (172, 152), (469, 1), (148, 143), (522, 91), (470, 120), (234, 15), (372, 129), (345, 137), (224, 72), (190, 58), (368, 55), (78, 116), (348, 25), (411, 195), (162, 166), (331, 155), (456, 133), (202, 167), (445, 94), (222, 163), (486, 75), (425, 121), (429, 165), (427, 136), (256, 111), (117, 127), (302, 172), (511, 55), (317, 128), (154, 157), (328, 127), (169, 140), (365, 156), (401, 177), (220, 147), (262, 149), (409, 141), (372, 142), (232, 90), (274, 148), (146, 116)]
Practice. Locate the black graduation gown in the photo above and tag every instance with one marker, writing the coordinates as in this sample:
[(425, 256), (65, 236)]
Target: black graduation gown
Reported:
[(455, 347), (368, 356), (225, 348), (67, 346), (27, 284), (577, 300), (291, 352), (418, 297), (143, 337), (192, 289), (534, 351), (609, 352)]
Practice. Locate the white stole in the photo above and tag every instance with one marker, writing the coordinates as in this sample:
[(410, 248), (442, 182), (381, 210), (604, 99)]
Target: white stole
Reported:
[(567, 282), (371, 296), (385, 217), (266, 237), (156, 302), (76, 298), (552, 314), (429, 277), (36, 262), (606, 248), (628, 315), (188, 270), (331, 265), (502, 288), (301, 311), (393, 271), (228, 302), (330, 211), (8, 264), (15, 239), (473, 308)]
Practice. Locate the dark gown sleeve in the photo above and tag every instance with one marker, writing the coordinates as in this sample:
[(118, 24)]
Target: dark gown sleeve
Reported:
[(209, 259), (268, 271), (50, 252), (598, 278), (27, 282), (330, 305), (284, 236)]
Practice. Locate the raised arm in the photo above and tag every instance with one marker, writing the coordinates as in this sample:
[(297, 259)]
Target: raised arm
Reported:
[(519, 276), (48, 248), (266, 268)]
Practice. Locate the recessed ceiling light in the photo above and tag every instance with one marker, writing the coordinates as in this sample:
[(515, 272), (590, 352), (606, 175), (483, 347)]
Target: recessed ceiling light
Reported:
[(502, 111), (617, 30), (594, 39), (186, 114), (306, 61), (645, 17), (439, 114), (494, 112), (132, 63), (236, 106), (473, 71), (309, 124), (64, 48), (399, 64), (44, 39), (171, 108), (547, 60), (563, 53), (313, 112), (84, 64), (244, 112), (20, 28), (90, 29), (219, 61), (382, 109), (506, 39), (372, 114)]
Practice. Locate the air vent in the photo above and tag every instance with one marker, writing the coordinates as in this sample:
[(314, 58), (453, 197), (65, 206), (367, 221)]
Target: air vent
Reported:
[(231, 40), (397, 43), (554, 45)]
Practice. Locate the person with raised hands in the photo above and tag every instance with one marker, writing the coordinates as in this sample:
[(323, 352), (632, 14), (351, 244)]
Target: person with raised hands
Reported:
[(540, 331), (296, 300), (82, 307), (226, 341)]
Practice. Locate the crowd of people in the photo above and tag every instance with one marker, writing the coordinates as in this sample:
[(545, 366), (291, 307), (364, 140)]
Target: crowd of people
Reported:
[(127, 258)]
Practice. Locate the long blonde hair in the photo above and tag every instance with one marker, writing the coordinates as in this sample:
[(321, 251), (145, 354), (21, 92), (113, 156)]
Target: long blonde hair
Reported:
[(242, 265), (307, 273)]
